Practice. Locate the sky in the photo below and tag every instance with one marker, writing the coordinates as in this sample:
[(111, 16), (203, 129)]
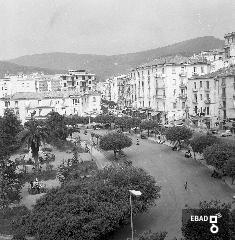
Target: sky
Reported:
[(108, 27)]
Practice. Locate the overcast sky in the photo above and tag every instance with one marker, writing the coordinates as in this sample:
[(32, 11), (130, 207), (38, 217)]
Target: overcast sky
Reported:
[(108, 26)]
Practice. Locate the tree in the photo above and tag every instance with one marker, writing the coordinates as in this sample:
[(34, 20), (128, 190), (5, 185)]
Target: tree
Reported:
[(115, 141), (90, 208), (148, 235), (56, 124), (217, 155), (229, 168), (200, 142), (192, 230), (10, 126), (104, 119), (10, 183), (34, 134), (178, 134), (149, 125)]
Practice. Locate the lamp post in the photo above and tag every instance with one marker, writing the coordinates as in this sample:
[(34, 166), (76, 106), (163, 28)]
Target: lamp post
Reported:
[(135, 193)]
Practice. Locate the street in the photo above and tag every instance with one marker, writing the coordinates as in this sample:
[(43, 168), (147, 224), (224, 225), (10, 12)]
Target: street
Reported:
[(171, 170)]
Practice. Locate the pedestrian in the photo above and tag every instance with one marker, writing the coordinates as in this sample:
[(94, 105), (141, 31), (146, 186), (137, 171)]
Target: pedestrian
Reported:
[(186, 186), (138, 143)]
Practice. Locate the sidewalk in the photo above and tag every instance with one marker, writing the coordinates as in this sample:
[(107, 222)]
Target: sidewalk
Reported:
[(98, 156)]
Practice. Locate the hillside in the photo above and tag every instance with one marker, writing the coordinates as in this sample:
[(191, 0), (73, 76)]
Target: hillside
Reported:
[(105, 66), (12, 68)]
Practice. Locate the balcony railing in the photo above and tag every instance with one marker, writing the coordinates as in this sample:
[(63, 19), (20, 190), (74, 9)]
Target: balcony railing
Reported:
[(207, 89), (182, 85), (182, 95), (195, 101), (160, 96), (207, 101), (195, 89), (183, 74), (160, 86)]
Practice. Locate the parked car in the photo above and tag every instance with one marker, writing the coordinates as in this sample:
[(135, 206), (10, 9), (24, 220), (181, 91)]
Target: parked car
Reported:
[(214, 131), (226, 133), (143, 136)]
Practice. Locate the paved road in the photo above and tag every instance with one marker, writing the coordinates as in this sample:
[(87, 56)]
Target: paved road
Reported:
[(171, 170)]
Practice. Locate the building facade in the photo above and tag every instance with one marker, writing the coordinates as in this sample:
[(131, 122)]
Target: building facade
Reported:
[(38, 105), (161, 85), (79, 80), (229, 48)]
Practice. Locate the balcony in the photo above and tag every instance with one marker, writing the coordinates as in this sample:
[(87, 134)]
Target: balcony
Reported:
[(195, 101), (207, 89), (182, 85), (223, 85), (195, 90), (160, 96), (161, 86), (182, 96), (183, 74), (207, 101)]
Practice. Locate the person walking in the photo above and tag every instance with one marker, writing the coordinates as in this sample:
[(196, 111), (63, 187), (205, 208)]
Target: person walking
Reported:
[(186, 185), (138, 143)]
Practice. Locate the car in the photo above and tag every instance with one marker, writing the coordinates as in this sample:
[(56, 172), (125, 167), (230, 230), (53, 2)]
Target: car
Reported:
[(226, 133), (214, 131), (143, 136)]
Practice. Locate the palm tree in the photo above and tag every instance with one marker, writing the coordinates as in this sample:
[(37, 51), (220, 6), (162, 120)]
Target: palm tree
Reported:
[(34, 134)]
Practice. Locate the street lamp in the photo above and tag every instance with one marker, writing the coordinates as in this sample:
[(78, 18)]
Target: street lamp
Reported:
[(137, 194)]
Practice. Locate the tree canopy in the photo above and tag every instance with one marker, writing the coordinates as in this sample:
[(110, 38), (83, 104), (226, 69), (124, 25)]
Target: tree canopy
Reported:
[(149, 125), (90, 208), (178, 133), (217, 155), (200, 230), (10, 182), (115, 141), (200, 142)]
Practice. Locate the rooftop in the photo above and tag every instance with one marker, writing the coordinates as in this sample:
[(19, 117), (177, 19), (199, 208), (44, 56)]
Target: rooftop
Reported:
[(223, 72), (174, 60), (43, 95)]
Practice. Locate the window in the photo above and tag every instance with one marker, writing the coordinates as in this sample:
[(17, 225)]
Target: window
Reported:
[(149, 103), (94, 99), (195, 85), (174, 92), (207, 96), (223, 92), (174, 105), (163, 70), (207, 110), (194, 69), (200, 84), (16, 103), (174, 81), (83, 77), (39, 102), (201, 96), (64, 84), (148, 72), (195, 97), (224, 104), (183, 105), (182, 69), (195, 109), (40, 111), (89, 77), (202, 69), (173, 70), (89, 82), (207, 84), (164, 93)]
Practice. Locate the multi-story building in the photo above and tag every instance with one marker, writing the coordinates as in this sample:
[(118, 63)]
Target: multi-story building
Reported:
[(229, 48), (211, 98), (162, 85), (79, 80), (28, 104), (46, 83)]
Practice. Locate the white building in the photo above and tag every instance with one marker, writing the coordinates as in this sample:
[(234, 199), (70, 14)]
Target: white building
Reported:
[(161, 85), (79, 80), (26, 104)]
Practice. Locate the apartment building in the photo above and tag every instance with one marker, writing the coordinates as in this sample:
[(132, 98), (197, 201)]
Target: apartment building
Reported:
[(211, 98), (27, 104), (229, 48), (79, 80), (161, 85)]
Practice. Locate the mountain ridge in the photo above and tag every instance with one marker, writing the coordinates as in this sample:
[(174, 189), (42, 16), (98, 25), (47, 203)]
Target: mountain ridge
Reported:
[(105, 66)]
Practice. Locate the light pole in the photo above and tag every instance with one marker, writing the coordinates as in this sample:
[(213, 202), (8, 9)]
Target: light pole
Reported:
[(135, 193)]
